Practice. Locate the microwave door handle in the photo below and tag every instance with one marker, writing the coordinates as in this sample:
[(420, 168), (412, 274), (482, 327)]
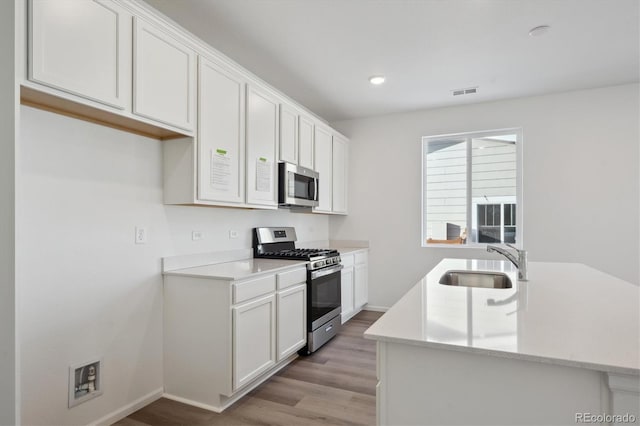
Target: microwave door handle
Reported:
[(315, 189)]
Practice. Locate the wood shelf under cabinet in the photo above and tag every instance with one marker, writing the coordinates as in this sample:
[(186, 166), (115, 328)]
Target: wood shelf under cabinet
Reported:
[(45, 101)]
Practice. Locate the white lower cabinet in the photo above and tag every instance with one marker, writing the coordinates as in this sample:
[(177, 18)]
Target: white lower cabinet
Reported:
[(254, 339), (223, 337), (354, 283), (360, 285), (347, 293), (292, 312)]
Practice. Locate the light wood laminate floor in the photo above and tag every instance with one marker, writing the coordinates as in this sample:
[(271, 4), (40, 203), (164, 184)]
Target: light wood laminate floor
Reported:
[(334, 386)]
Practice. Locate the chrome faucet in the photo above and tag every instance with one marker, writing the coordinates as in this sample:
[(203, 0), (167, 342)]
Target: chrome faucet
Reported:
[(520, 262)]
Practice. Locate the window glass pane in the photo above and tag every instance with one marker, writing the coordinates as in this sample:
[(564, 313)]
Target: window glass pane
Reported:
[(470, 188), (445, 197), (493, 186)]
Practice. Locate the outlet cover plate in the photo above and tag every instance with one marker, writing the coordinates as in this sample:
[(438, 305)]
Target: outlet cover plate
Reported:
[(141, 235)]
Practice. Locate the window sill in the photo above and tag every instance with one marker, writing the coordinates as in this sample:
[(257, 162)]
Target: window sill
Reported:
[(476, 246)]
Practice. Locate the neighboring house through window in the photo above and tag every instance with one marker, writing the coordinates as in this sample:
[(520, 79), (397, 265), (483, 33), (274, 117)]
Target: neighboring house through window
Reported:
[(472, 188)]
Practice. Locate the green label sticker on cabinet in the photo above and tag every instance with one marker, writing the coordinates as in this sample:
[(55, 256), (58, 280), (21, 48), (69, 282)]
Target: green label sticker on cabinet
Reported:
[(221, 151), (264, 160)]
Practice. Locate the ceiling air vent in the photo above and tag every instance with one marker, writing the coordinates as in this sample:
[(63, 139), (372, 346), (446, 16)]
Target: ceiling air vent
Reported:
[(467, 91)]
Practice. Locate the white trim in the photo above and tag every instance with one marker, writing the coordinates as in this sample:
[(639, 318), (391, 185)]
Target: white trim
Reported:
[(373, 308), (193, 403), (123, 412), (232, 400), (624, 383)]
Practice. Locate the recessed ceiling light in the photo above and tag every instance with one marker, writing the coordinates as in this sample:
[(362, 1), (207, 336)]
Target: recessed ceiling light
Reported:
[(539, 30), (376, 79)]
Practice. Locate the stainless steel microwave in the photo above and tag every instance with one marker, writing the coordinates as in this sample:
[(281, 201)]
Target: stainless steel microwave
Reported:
[(297, 186)]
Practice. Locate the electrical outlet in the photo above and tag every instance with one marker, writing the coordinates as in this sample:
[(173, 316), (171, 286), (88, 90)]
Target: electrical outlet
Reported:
[(233, 234), (197, 235), (85, 382), (141, 235)]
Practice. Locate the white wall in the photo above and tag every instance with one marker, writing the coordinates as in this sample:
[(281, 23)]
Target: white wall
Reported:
[(87, 290), (8, 128), (581, 183)]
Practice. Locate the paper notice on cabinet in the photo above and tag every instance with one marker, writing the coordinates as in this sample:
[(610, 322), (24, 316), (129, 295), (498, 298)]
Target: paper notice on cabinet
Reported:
[(220, 169), (263, 175)]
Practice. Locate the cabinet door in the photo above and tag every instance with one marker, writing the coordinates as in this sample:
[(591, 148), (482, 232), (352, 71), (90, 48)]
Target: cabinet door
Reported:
[(262, 143), (339, 175), (306, 130), (347, 291), (361, 292), (254, 339), (82, 47), (323, 165), (292, 320), (221, 159), (288, 134), (164, 77)]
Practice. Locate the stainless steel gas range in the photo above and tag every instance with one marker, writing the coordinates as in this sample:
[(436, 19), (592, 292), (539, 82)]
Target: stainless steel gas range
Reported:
[(323, 281)]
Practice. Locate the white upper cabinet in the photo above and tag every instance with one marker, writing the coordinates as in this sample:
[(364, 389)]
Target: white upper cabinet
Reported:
[(339, 175), (262, 147), (306, 131), (323, 165), (288, 134), (164, 77), (83, 48), (221, 143), (121, 63)]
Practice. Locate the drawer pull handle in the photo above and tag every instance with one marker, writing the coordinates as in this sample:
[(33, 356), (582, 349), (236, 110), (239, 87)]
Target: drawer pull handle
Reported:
[(328, 328)]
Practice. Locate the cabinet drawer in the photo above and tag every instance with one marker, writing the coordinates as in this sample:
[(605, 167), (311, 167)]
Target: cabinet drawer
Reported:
[(346, 260), (287, 279), (249, 289), (361, 257)]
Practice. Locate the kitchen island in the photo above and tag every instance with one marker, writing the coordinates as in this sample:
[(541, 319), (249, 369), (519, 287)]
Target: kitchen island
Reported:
[(558, 349)]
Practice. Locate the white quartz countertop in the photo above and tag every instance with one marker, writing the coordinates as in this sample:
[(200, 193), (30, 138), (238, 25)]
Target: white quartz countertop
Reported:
[(567, 313), (349, 250), (237, 270)]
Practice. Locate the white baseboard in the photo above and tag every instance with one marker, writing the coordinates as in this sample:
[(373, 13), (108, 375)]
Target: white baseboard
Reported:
[(227, 402), (193, 403), (123, 412), (376, 308)]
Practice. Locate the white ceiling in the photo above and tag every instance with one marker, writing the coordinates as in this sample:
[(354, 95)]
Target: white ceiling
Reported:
[(321, 52)]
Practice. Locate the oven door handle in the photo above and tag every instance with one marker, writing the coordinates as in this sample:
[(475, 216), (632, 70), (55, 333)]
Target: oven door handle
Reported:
[(326, 271)]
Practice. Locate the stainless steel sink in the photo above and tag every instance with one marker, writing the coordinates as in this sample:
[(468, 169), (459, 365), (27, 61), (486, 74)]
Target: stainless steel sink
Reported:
[(483, 279)]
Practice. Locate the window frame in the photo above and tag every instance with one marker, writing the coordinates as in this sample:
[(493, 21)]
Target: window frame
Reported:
[(519, 185)]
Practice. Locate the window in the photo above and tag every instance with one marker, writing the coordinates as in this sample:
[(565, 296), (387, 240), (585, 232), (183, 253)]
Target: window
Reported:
[(472, 188)]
